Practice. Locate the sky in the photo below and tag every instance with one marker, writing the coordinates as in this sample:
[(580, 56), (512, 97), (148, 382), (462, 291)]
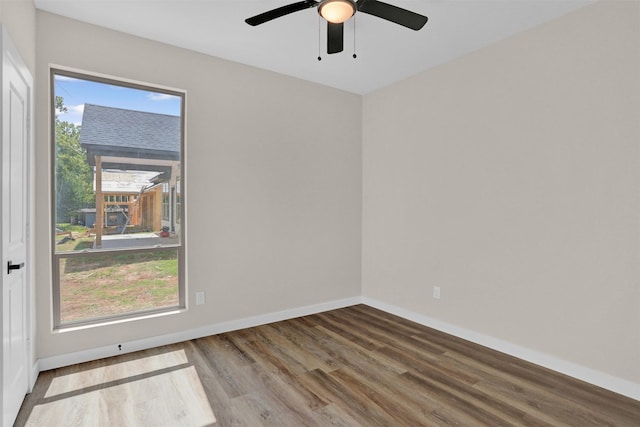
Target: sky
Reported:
[(78, 92)]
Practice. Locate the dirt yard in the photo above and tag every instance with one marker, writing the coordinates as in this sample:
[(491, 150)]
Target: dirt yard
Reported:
[(107, 284)]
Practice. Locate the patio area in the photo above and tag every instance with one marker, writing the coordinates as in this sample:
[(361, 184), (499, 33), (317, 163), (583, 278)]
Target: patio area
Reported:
[(136, 240)]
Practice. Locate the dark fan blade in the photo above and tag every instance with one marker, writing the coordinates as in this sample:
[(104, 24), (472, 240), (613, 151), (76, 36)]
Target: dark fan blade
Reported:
[(335, 37), (392, 13), (281, 11)]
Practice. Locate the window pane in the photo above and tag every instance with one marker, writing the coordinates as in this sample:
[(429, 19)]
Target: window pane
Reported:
[(117, 246), (117, 161), (95, 285)]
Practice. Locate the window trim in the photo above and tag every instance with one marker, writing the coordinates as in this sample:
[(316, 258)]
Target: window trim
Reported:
[(56, 257)]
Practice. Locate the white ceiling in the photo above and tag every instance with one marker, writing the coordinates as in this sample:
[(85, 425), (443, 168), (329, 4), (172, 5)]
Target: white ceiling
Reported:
[(386, 52)]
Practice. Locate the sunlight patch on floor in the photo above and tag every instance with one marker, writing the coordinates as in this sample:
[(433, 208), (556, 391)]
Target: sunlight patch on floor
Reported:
[(83, 379), (163, 389)]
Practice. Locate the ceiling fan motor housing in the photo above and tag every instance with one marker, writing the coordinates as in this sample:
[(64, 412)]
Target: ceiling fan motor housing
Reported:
[(337, 11)]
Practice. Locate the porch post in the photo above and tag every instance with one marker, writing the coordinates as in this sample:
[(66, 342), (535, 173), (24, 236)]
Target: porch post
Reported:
[(99, 204)]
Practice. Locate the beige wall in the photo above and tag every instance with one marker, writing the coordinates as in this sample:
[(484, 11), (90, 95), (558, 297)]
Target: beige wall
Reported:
[(273, 198), (19, 17), (509, 178)]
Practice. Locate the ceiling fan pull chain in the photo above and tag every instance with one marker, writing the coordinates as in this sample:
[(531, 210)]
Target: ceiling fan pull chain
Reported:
[(354, 38), (319, 38)]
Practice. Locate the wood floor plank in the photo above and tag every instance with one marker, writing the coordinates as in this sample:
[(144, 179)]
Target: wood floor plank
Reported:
[(356, 366), (276, 345), (226, 372), (347, 397), (355, 353), (218, 399), (275, 365), (299, 337), (539, 402), (365, 339), (280, 337), (282, 402), (332, 415), (405, 403)]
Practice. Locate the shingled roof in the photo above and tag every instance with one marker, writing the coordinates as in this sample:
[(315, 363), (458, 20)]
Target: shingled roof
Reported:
[(117, 132)]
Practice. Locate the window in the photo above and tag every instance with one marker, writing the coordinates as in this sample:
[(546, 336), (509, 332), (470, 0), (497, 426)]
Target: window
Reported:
[(165, 202), (118, 159)]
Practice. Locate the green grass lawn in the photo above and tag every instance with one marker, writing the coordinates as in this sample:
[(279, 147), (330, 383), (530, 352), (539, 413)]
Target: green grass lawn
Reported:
[(68, 227), (104, 284)]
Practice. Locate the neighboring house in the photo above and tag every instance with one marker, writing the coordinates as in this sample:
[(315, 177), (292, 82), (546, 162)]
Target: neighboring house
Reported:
[(131, 202), (136, 160)]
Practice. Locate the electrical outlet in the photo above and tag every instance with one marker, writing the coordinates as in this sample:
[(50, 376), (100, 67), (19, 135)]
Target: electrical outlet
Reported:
[(436, 292), (200, 298)]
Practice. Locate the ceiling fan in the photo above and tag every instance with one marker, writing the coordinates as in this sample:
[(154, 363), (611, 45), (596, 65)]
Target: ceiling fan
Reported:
[(337, 12)]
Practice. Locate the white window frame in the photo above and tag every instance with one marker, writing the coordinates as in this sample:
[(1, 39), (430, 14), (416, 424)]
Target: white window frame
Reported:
[(180, 246)]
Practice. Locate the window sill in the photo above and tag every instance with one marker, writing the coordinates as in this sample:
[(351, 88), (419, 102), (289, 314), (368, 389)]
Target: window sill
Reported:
[(118, 320)]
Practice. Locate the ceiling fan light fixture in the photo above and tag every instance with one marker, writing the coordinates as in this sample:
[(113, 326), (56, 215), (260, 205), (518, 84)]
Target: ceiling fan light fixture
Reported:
[(337, 11)]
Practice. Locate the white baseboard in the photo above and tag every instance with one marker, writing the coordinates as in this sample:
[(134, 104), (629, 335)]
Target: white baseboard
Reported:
[(606, 381), (54, 362)]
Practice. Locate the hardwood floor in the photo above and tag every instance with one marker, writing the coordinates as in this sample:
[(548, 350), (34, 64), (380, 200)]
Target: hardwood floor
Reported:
[(356, 366)]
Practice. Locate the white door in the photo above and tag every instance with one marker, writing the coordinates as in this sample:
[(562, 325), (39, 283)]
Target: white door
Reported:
[(16, 107)]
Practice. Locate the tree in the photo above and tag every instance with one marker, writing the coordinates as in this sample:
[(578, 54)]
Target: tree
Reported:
[(74, 175)]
